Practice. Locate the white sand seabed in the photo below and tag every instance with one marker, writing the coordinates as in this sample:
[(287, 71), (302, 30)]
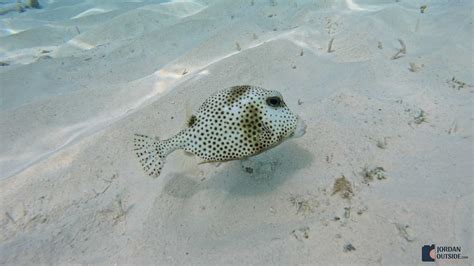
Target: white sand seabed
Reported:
[(78, 79)]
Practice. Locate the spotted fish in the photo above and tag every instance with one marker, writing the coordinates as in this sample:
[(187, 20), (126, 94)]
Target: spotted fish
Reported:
[(232, 124)]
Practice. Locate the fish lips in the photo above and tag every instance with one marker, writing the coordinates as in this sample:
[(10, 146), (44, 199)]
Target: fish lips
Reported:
[(300, 128)]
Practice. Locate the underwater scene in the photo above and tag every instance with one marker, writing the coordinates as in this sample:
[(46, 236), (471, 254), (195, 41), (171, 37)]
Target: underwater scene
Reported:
[(236, 132)]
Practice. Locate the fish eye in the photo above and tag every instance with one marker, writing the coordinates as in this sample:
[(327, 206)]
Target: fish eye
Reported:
[(274, 101)]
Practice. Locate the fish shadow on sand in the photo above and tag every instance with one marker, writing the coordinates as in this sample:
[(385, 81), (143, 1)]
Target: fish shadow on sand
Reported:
[(259, 174)]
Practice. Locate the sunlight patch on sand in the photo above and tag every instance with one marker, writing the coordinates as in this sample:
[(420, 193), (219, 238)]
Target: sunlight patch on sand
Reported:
[(204, 72), (353, 6), (165, 79), (81, 44), (9, 31), (92, 11), (177, 8), (356, 7)]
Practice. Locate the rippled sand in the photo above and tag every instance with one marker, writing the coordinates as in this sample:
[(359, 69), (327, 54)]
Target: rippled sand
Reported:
[(386, 92)]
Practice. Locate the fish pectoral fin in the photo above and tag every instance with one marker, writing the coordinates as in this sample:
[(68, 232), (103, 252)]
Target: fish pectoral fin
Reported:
[(216, 161), (266, 131), (204, 162), (189, 154), (265, 134)]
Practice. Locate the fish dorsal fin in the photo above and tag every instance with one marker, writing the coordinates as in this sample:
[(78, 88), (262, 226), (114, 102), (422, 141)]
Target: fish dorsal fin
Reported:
[(190, 117)]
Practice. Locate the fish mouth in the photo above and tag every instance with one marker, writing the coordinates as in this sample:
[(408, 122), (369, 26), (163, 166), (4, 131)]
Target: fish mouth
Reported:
[(300, 128)]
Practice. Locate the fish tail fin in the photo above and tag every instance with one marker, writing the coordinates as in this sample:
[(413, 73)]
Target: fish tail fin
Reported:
[(151, 153)]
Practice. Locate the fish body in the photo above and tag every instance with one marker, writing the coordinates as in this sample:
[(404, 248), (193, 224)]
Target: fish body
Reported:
[(232, 124)]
